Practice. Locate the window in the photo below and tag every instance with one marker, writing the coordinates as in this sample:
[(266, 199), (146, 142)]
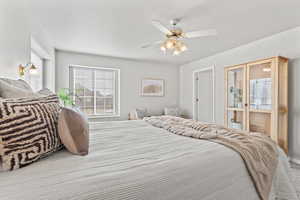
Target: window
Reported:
[(96, 90), (35, 80)]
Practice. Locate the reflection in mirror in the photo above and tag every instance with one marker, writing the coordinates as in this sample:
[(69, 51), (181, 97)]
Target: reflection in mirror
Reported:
[(260, 94), (235, 120), (235, 88)]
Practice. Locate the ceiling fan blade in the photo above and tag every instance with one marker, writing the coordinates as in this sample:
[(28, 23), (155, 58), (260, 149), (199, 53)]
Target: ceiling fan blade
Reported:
[(203, 33), (161, 27), (151, 44)]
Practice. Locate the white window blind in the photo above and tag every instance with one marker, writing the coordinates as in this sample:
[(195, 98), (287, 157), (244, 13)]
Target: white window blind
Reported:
[(96, 90)]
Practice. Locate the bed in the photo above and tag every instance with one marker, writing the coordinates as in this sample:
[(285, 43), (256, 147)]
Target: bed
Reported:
[(159, 165)]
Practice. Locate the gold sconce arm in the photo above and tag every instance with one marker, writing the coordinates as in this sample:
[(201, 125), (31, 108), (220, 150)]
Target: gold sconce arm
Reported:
[(21, 70), (31, 67)]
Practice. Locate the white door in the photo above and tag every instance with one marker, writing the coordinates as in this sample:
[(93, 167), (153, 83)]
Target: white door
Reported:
[(204, 95)]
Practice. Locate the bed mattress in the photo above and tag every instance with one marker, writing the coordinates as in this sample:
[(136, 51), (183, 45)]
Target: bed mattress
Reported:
[(132, 160)]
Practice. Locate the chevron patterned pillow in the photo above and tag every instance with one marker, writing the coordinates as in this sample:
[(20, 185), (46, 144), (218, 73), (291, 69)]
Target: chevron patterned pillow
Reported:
[(28, 130)]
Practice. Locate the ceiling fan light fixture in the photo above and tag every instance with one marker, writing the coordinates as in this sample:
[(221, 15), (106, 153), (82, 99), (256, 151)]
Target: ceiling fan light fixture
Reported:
[(163, 48), (183, 47), (176, 46), (170, 43), (175, 36), (176, 52)]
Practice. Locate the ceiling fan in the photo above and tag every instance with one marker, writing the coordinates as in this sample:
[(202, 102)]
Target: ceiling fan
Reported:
[(175, 35)]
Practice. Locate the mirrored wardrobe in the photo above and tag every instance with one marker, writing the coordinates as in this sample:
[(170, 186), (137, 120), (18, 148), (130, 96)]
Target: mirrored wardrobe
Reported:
[(256, 98)]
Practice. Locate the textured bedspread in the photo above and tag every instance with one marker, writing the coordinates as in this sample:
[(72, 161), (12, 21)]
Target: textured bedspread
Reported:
[(133, 160), (258, 151)]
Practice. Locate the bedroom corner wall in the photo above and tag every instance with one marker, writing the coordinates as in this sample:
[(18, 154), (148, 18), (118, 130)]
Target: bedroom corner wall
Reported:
[(16, 33), (285, 44), (14, 37), (42, 44), (294, 109), (131, 74)]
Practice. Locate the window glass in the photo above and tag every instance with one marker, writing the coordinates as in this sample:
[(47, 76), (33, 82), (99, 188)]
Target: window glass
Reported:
[(95, 90)]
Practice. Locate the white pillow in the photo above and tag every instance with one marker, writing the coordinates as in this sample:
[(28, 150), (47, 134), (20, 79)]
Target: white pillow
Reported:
[(45, 92), (141, 113), (10, 91), (137, 114), (172, 111), (18, 83)]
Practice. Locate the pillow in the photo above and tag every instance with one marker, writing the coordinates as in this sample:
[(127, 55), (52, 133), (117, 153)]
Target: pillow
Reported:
[(45, 92), (141, 113), (138, 114), (28, 130), (73, 130), (172, 111), (18, 83), (10, 91)]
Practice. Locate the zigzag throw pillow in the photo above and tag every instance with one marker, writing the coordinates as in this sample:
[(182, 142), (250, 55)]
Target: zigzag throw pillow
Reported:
[(28, 130)]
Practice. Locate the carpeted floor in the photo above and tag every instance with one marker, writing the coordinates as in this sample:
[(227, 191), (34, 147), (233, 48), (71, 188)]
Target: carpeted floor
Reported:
[(296, 169)]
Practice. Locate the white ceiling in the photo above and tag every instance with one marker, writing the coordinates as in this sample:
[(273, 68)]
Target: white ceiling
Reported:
[(119, 27)]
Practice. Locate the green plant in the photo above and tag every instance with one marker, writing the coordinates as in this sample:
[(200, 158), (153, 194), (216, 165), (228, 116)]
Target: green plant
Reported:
[(66, 96), (237, 95)]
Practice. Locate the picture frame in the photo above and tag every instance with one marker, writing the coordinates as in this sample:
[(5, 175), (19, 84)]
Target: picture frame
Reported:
[(152, 87)]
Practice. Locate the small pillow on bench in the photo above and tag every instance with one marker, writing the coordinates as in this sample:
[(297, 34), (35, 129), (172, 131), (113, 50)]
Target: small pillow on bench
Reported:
[(172, 111), (138, 114)]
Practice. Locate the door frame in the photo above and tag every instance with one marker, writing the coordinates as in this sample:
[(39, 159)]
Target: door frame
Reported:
[(211, 68)]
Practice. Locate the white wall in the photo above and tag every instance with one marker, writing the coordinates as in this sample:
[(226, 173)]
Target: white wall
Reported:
[(286, 44), (45, 51), (42, 45), (14, 37), (294, 108), (16, 33), (131, 75)]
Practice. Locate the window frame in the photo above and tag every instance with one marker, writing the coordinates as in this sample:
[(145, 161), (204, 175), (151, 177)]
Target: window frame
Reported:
[(116, 93)]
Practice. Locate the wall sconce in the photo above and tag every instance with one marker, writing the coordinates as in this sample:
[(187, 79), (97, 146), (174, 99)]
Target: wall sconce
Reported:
[(31, 67)]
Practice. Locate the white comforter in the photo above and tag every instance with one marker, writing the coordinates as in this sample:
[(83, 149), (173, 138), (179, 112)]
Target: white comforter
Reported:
[(157, 166)]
